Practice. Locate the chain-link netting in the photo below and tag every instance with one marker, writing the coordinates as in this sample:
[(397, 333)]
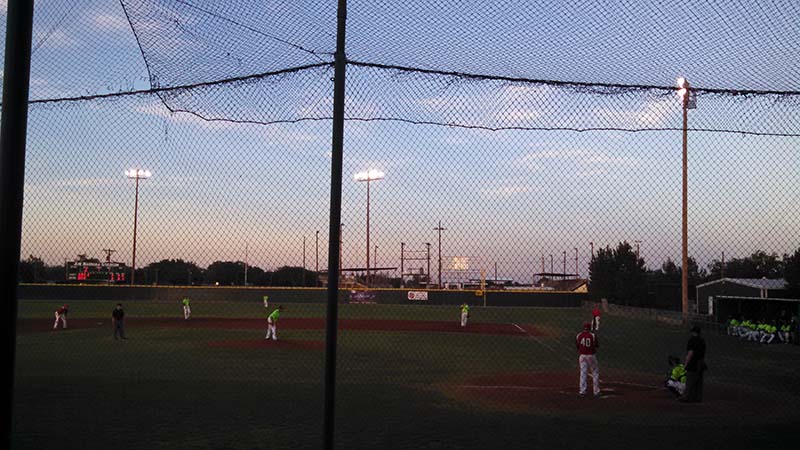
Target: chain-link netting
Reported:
[(511, 171)]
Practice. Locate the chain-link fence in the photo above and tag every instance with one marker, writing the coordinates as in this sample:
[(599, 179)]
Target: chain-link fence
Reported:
[(518, 161)]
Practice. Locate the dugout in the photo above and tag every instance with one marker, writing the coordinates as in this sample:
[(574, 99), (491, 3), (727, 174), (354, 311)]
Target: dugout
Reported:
[(754, 298)]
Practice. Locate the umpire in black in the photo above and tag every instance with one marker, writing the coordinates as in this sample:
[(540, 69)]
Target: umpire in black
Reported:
[(695, 366)]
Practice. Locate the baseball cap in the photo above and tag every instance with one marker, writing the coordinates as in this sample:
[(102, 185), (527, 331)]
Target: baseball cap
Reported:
[(695, 329), (586, 325)]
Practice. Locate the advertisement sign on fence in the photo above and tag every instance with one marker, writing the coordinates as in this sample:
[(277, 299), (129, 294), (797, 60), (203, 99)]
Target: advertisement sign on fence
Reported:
[(418, 296), (363, 297)]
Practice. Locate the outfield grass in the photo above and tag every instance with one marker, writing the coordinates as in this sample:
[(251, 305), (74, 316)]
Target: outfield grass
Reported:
[(167, 388)]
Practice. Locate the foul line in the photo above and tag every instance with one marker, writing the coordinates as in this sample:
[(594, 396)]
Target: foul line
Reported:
[(544, 344)]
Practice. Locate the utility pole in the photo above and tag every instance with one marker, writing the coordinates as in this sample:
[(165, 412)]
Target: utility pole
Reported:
[(304, 261), (565, 266), (440, 229), (551, 265), (246, 248), (637, 242), (316, 258)]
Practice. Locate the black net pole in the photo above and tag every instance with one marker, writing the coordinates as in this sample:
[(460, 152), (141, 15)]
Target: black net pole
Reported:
[(334, 241), (13, 130)]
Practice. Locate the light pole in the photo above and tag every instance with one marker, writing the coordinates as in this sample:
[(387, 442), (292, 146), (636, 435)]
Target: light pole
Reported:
[(440, 229), (402, 257), (245, 263), (316, 258), (136, 174), (576, 262), (368, 176), (428, 283), (687, 102)]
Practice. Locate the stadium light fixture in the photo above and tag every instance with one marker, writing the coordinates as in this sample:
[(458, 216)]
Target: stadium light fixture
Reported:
[(136, 174), (368, 176)]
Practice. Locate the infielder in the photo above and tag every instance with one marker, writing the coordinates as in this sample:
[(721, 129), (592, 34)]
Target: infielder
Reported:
[(587, 345), (187, 310), (61, 314), (464, 314), (272, 323)]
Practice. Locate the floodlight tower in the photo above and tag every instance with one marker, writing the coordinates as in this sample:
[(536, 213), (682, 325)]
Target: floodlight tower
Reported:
[(368, 176), (136, 174), (687, 102)]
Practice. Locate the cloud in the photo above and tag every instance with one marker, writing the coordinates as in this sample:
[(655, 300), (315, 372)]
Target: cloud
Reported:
[(109, 22), (179, 117), (56, 39), (651, 114), (576, 155)]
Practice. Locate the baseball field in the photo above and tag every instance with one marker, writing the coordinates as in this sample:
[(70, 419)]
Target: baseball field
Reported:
[(408, 377)]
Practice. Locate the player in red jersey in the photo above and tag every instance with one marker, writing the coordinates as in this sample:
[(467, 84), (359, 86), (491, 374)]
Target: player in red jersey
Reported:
[(596, 318), (587, 345), (61, 315)]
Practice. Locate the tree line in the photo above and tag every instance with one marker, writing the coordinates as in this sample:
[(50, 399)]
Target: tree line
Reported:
[(177, 272), (619, 275)]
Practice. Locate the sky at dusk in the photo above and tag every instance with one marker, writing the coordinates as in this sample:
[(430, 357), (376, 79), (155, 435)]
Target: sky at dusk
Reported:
[(508, 197)]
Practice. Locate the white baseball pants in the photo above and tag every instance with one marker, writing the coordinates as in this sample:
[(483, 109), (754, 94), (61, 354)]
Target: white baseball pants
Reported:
[(587, 362), (63, 321), (271, 330), (464, 319), (677, 385), (187, 312)]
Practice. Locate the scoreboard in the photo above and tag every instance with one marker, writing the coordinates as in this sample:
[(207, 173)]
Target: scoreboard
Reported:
[(96, 272)]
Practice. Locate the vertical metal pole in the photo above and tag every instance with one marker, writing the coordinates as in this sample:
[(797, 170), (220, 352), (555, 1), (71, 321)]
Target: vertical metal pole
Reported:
[(722, 267), (428, 284), (375, 260), (334, 241), (565, 266), (316, 258), (366, 280), (576, 262), (245, 263), (13, 131), (684, 224), (304, 261), (440, 229), (402, 257), (135, 219)]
